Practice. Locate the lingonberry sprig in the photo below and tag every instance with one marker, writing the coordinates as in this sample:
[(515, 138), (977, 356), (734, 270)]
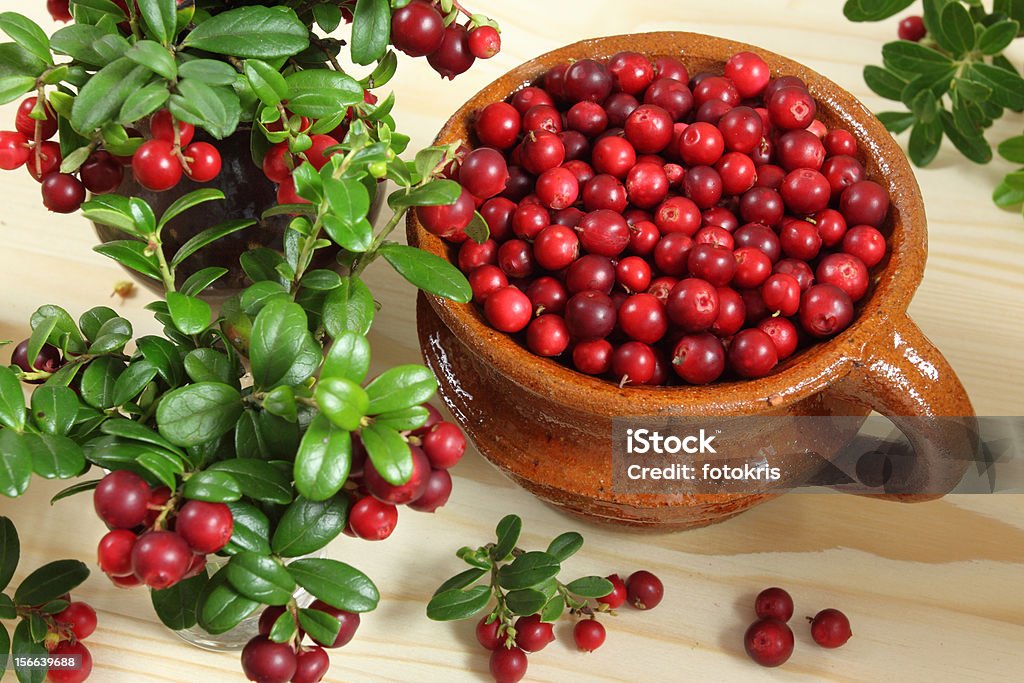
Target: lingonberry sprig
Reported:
[(526, 596), (949, 70), (51, 626)]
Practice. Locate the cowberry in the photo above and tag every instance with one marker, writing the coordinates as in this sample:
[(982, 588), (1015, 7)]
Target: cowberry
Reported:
[(592, 357), (44, 159), (699, 358), (791, 108), (825, 310), (712, 263), (748, 72), (79, 617), (547, 335), (670, 67), (631, 72), (484, 42), (768, 642), (864, 203), (497, 125), (542, 150), (371, 519), (589, 315), (160, 558), (604, 191), (701, 144), (693, 304), (265, 661), (558, 188), (644, 590), (781, 294), (162, 128), (711, 88), (587, 79), (311, 665), (633, 274), (671, 95), (617, 597), (348, 624), (841, 172), (773, 603), (206, 527), (508, 309), (14, 149), (798, 149), (532, 634), (417, 29), (62, 193), (911, 28), (484, 172), (845, 271), (508, 664), (783, 333), (204, 162), (439, 489), (60, 10), (646, 184), (276, 163), (589, 634), (490, 634), (101, 173), (732, 313), (448, 220), (68, 649), (399, 494), (547, 295), (453, 56), (26, 125), (618, 107), (866, 243), (830, 628), (269, 616), (155, 165), (752, 353), (114, 553), (444, 444), (642, 318), (604, 232), (121, 499), (530, 96)]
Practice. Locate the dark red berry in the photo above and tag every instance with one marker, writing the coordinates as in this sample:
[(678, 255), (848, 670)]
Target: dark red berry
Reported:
[(589, 315), (400, 494), (508, 665), (43, 160), (783, 333), (79, 617), (593, 357), (701, 144), (631, 72), (714, 264), (773, 603), (644, 590), (791, 108), (752, 354), (484, 42), (547, 295), (732, 313), (547, 335), (483, 172), (693, 304), (448, 220), (265, 661), (671, 95), (830, 628), (617, 597), (62, 193), (371, 519), (613, 155), (864, 203), (487, 634), (121, 499), (348, 624), (532, 634), (768, 642), (60, 10), (26, 125), (911, 28), (269, 616), (589, 634), (206, 527), (825, 310), (699, 358), (311, 665), (558, 188), (417, 29), (162, 128), (587, 79), (439, 489), (69, 649), (48, 359), (781, 294), (160, 558), (604, 232), (101, 173), (444, 445), (453, 57), (542, 150)]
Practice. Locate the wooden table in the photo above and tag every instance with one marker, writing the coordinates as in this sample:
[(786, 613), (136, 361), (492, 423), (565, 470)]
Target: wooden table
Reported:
[(934, 591)]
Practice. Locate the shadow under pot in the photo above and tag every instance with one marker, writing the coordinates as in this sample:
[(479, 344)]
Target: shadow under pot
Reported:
[(247, 195)]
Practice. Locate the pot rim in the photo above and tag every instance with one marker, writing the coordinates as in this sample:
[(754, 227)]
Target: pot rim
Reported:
[(802, 375)]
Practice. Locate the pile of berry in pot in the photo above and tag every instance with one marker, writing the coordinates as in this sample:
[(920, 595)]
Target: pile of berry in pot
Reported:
[(657, 228)]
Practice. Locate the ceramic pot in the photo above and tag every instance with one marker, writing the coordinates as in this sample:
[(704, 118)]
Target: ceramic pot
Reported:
[(550, 428)]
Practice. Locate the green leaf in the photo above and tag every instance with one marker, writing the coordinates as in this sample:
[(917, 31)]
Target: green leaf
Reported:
[(257, 479), (54, 456), (144, 102), (27, 34), (251, 529), (434, 193), (525, 601), (183, 204), (507, 533), (247, 32), (336, 583), (164, 356), (112, 210), (528, 570), (896, 121), (198, 413), (102, 97), (13, 87), (15, 464), (402, 386), (12, 400), (278, 335), (212, 487), (76, 41), (925, 106), (281, 402), (462, 579), (260, 578), (17, 61), (874, 10), (343, 402), (323, 460), (371, 30), (208, 71), (74, 489), (10, 552), (478, 230), (98, 380), (5, 646), (216, 109), (201, 279), (112, 47), (190, 314), (209, 236), (328, 17), (552, 611), (1012, 149), (321, 627), (1007, 88), (178, 606), (347, 358), (221, 607), (92, 321), (54, 409), (998, 36), (1009, 192), (565, 546), (925, 140), (590, 587), (50, 582), (347, 224), (266, 81), (319, 93), (914, 59), (403, 420), (349, 308), (127, 429), (131, 254), (452, 605), (428, 272), (884, 82), (957, 29), (154, 57), (974, 147), (163, 466), (321, 280), (308, 526), (65, 333), (283, 629), (160, 17), (388, 452), (26, 646)]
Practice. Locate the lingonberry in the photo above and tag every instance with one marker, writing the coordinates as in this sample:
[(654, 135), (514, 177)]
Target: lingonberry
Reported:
[(768, 642), (642, 318), (703, 185), (670, 67), (530, 96), (604, 191), (472, 255), (71, 649), (317, 155), (498, 212), (830, 628), (661, 287), (644, 590), (783, 333), (204, 162), (805, 191), (162, 128), (160, 558), (114, 553), (753, 266), (44, 159), (839, 142), (60, 10), (631, 72), (62, 193), (490, 635), (592, 357), (866, 243), (121, 499), (732, 313), (618, 107), (791, 108), (126, 582), (701, 144), (508, 309), (604, 232), (311, 665), (542, 117), (649, 129), (484, 172), (617, 598), (671, 95), (762, 205), (613, 155), (737, 172), (497, 125), (693, 304), (548, 295), (715, 236), (798, 269), (864, 203), (781, 294), (453, 56), (47, 360), (155, 165), (547, 335), (448, 220), (799, 239), (773, 603), (911, 28), (589, 634), (770, 176), (276, 163), (699, 358), (583, 171), (444, 444), (587, 79), (265, 661), (646, 184), (542, 150), (348, 624), (268, 617), (515, 258), (825, 310), (712, 263), (748, 72), (532, 634), (643, 237), (439, 490), (558, 188), (711, 112), (842, 172), (101, 173), (484, 42), (672, 253), (633, 274), (678, 214), (79, 617), (508, 664), (206, 527), (14, 149), (26, 125), (417, 29), (590, 315), (634, 363), (712, 88), (399, 494), (752, 353), (759, 237), (371, 519), (846, 272), (577, 147), (798, 149)]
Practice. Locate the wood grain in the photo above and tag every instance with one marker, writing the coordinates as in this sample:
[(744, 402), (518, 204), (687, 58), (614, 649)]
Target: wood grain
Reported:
[(934, 591)]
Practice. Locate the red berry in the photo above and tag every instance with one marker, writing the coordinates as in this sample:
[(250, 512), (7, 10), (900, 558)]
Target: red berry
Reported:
[(649, 129), (206, 527), (773, 603), (589, 634), (205, 161), (60, 10), (114, 554), (587, 79), (614, 156), (484, 42), (846, 272), (121, 498), (542, 150), (26, 125), (768, 642), (162, 128), (592, 357), (912, 28), (866, 243), (781, 294), (752, 354), (371, 519), (448, 220), (508, 665), (864, 203), (417, 29), (483, 172), (699, 358), (830, 628), (69, 649), (444, 445), (155, 166), (617, 598), (508, 309), (791, 108), (265, 661), (631, 72), (547, 335), (130, 581), (160, 558), (62, 193), (453, 57), (748, 72), (644, 590), (604, 232), (269, 616), (825, 310), (532, 634), (101, 173), (590, 315), (348, 624), (275, 166), (558, 188), (439, 489), (487, 634), (783, 333), (14, 149), (642, 317), (497, 125), (43, 160), (484, 280), (311, 665), (693, 304), (79, 617)]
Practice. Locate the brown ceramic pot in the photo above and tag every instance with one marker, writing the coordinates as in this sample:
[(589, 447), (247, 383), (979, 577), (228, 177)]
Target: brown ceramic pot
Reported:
[(549, 428)]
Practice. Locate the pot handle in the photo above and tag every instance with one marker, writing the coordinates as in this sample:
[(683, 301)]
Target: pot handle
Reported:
[(906, 379)]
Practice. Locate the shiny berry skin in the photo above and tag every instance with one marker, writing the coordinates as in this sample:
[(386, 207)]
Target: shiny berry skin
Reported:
[(799, 239), (101, 173), (839, 142), (633, 274), (288, 194), (911, 28), (753, 267), (532, 634), (604, 232), (439, 490), (714, 264), (841, 172), (14, 149), (773, 603), (592, 357), (126, 582), (547, 295), (317, 154), (59, 10), (473, 255), (798, 269), (781, 294), (671, 95), (483, 172), (791, 108), (547, 336), (372, 520), (558, 188), (80, 617), (417, 29), (444, 445), (588, 118), (649, 129), (831, 227), (618, 107), (348, 624), (160, 558), (542, 150), (604, 191), (634, 363), (206, 527), (699, 358), (67, 648), (587, 79), (748, 72), (114, 553), (590, 315), (589, 634), (508, 665), (497, 125), (830, 628), (26, 125), (530, 96), (732, 313), (206, 161), (399, 494), (642, 317), (866, 243), (448, 220), (121, 498), (62, 193), (701, 144), (846, 272), (768, 642), (670, 67), (738, 173), (613, 155), (643, 238), (703, 185), (162, 128), (798, 149), (155, 166), (265, 661), (274, 165), (671, 254), (646, 185), (484, 42), (752, 354), (453, 57), (617, 598), (631, 72), (311, 665), (805, 192), (864, 203), (825, 310), (678, 214), (759, 237), (715, 88), (507, 309), (783, 333), (693, 304), (644, 590), (487, 634)]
